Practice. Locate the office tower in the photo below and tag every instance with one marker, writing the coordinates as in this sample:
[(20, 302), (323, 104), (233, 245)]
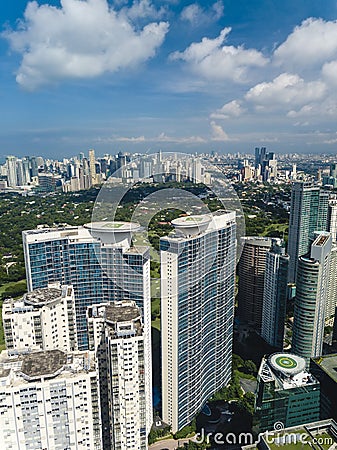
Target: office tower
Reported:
[(275, 295), (331, 301), (98, 260), (34, 166), (47, 182), (197, 309), (12, 178), (260, 156), (92, 167), (324, 369), (49, 400), (308, 213), (251, 270), (332, 217), (286, 392), (121, 160), (311, 297), (43, 319), (117, 335)]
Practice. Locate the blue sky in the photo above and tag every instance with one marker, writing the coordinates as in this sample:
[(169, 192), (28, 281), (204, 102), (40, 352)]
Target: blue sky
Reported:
[(172, 75)]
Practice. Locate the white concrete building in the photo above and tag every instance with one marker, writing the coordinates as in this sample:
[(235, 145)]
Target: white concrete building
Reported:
[(197, 310), (117, 335), (49, 400), (43, 319)]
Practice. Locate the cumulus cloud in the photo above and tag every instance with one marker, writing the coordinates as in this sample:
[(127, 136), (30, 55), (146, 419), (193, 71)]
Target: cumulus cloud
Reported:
[(214, 61), (310, 44), (144, 9), (286, 89), (329, 72), (197, 15), (231, 109), (218, 133), (81, 39)]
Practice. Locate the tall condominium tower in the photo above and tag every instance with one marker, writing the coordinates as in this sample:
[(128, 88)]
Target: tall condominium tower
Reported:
[(12, 176), (92, 167), (43, 319), (275, 295), (332, 217), (311, 297), (49, 400), (286, 392), (308, 213), (251, 270), (116, 333), (197, 309), (98, 260)]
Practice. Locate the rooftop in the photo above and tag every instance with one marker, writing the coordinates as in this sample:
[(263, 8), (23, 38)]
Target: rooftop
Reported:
[(328, 363), (48, 364), (42, 296), (115, 227), (122, 312), (288, 371), (38, 364)]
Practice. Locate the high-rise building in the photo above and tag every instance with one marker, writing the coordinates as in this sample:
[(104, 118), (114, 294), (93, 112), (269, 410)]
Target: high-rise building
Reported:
[(197, 310), (117, 335), (251, 271), (98, 260), (12, 177), (311, 298), (92, 166), (43, 319), (49, 400), (308, 213), (275, 295), (332, 217), (286, 392), (324, 369)]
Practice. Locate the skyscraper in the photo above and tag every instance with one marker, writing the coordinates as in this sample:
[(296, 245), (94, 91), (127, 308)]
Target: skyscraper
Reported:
[(308, 213), (98, 260), (275, 295), (116, 333), (43, 319), (92, 166), (286, 392), (311, 297), (49, 400), (12, 177), (251, 270), (197, 309)]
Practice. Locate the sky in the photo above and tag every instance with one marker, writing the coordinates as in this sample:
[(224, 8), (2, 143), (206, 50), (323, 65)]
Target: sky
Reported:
[(144, 75)]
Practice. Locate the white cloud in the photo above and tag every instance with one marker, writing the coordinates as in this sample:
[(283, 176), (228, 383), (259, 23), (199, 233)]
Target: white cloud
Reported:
[(82, 39), (329, 72), (215, 61), (143, 9), (231, 109), (286, 89), (196, 15), (162, 137), (218, 133), (310, 44)]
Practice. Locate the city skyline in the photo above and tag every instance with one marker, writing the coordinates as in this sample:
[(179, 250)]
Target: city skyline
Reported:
[(194, 76)]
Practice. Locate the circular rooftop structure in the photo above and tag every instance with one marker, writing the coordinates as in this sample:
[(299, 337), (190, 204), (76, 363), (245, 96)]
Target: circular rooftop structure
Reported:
[(287, 363), (192, 225), (113, 232), (42, 296)]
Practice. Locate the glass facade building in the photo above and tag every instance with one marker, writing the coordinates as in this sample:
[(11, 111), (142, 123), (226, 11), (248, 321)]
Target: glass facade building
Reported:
[(286, 392), (99, 269), (197, 310)]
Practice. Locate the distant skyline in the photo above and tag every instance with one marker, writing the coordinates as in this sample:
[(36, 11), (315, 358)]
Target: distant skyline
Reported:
[(171, 75)]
